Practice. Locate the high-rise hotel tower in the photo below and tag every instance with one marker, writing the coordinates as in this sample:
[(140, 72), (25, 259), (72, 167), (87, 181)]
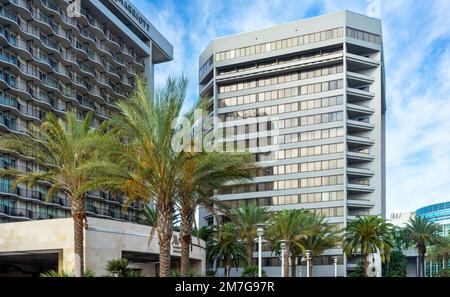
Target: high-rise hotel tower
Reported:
[(58, 56), (321, 83)]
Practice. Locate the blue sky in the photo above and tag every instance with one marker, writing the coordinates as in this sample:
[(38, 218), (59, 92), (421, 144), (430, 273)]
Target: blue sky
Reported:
[(417, 54)]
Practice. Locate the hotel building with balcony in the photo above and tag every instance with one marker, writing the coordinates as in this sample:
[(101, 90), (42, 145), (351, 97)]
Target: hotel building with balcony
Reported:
[(320, 83), (55, 60), (80, 56)]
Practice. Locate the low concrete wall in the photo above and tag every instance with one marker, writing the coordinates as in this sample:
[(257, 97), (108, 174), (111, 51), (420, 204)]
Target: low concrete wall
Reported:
[(104, 240)]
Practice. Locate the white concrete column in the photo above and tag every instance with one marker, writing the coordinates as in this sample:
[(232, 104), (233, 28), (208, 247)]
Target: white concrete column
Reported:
[(149, 69)]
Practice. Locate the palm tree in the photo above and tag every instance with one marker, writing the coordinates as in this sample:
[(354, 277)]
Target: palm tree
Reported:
[(397, 264), (202, 175), (121, 268), (205, 233), (67, 151), (142, 163), (422, 232), (441, 251), (151, 217), (320, 237), (369, 234), (246, 219), (227, 248), (296, 251), (288, 225), (399, 238)]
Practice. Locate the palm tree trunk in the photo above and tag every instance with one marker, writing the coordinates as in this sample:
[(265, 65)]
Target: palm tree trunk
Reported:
[(421, 266), (293, 265), (422, 251), (311, 267), (421, 262), (165, 232), (187, 220), (249, 252), (366, 264), (78, 215), (226, 267), (286, 261)]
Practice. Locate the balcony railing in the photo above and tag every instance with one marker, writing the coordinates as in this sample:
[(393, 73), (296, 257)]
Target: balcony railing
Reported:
[(25, 213)]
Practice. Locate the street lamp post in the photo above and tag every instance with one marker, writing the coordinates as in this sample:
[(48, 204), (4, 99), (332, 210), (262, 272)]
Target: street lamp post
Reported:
[(260, 233), (335, 262), (283, 247), (308, 254)]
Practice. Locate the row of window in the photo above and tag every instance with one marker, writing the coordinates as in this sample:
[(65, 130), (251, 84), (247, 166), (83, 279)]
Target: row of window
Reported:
[(279, 44), (234, 131), (58, 28), (287, 199), (50, 79), (310, 182), (310, 135), (283, 139), (41, 95), (280, 79), (206, 66), (299, 152), (360, 181), (279, 61), (358, 212), (244, 144), (310, 120), (67, 54), (300, 167), (362, 35), (36, 212), (282, 93), (282, 108), (330, 211), (10, 206), (308, 167), (310, 151), (231, 130), (29, 108), (13, 123), (308, 198)]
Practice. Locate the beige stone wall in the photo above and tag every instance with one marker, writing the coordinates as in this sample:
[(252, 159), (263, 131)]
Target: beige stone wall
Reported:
[(104, 240), (52, 235)]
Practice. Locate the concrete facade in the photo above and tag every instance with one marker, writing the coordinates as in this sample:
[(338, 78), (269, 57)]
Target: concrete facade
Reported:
[(320, 84), (104, 240)]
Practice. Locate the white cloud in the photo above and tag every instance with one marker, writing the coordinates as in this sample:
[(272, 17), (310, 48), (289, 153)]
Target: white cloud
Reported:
[(418, 146)]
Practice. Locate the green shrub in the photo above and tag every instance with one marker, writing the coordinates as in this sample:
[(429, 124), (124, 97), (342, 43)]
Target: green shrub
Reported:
[(397, 265), (444, 272), (191, 273), (252, 271), (120, 268), (359, 271), (53, 273)]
